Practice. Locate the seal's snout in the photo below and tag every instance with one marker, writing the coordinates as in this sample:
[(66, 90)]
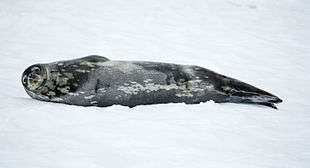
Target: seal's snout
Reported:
[(34, 77)]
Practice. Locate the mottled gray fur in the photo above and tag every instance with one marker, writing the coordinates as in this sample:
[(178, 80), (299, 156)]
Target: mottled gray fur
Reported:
[(97, 81)]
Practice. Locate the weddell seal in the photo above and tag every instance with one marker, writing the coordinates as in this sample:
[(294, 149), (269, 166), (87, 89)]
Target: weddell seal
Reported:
[(98, 81)]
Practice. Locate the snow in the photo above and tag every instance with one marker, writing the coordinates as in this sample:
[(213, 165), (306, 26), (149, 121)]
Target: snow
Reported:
[(262, 42)]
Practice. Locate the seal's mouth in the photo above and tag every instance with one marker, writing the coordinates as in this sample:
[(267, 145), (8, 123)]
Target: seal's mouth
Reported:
[(34, 77)]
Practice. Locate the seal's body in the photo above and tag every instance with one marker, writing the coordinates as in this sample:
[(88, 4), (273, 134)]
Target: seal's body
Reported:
[(97, 81)]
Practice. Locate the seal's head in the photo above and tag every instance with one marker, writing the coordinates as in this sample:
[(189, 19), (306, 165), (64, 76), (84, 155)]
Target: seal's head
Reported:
[(49, 82), (34, 77)]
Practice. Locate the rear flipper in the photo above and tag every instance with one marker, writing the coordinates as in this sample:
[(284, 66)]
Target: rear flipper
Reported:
[(234, 91), (268, 104), (240, 92), (246, 100)]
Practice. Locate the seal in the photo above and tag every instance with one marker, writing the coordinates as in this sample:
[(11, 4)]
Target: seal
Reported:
[(97, 81)]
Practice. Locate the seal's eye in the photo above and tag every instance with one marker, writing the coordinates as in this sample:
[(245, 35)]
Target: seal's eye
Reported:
[(33, 77)]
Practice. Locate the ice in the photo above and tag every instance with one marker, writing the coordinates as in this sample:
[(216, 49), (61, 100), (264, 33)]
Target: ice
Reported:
[(262, 42)]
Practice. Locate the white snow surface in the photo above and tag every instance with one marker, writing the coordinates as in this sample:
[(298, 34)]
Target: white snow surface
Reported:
[(262, 42)]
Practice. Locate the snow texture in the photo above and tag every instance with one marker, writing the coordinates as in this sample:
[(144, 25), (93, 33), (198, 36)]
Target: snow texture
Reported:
[(262, 42)]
